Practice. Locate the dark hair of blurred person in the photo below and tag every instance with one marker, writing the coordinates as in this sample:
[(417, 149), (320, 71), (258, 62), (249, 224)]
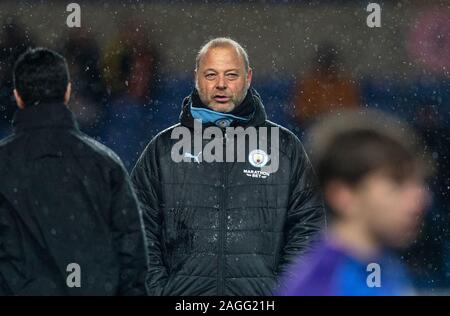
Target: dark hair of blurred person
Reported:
[(372, 171)]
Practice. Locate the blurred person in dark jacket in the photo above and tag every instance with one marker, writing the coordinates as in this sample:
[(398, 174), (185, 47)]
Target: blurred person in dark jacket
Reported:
[(65, 199), (217, 227)]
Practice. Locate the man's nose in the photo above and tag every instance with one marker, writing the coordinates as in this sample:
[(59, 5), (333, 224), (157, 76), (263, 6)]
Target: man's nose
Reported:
[(221, 83)]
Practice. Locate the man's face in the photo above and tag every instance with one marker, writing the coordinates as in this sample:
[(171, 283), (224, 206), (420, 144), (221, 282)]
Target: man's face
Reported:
[(391, 211), (221, 79)]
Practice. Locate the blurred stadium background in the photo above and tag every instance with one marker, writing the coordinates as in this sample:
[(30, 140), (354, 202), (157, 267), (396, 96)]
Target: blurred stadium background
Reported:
[(132, 63)]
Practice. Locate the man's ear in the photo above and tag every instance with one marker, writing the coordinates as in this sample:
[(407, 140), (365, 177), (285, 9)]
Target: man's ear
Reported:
[(340, 197), (67, 93), (249, 77), (196, 80), (19, 101), (195, 75)]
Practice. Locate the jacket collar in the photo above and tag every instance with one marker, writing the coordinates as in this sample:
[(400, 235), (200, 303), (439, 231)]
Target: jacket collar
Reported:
[(256, 118), (44, 115)]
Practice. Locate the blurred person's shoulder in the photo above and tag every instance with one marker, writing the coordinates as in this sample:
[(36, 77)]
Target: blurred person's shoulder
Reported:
[(355, 277), (397, 276), (315, 273)]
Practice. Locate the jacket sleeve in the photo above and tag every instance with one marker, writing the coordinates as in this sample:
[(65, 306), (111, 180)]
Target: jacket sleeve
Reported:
[(7, 260), (128, 235), (305, 213), (148, 187), (14, 254)]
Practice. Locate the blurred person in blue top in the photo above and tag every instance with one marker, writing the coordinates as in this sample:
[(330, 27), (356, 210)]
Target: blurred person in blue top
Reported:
[(373, 171)]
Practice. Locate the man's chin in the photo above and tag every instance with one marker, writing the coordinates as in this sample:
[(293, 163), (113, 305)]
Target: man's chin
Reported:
[(222, 107)]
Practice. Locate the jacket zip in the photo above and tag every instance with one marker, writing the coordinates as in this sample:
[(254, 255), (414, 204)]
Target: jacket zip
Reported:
[(222, 221)]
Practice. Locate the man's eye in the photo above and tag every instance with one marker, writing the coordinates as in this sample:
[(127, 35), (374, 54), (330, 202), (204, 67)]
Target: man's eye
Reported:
[(210, 76), (232, 76)]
